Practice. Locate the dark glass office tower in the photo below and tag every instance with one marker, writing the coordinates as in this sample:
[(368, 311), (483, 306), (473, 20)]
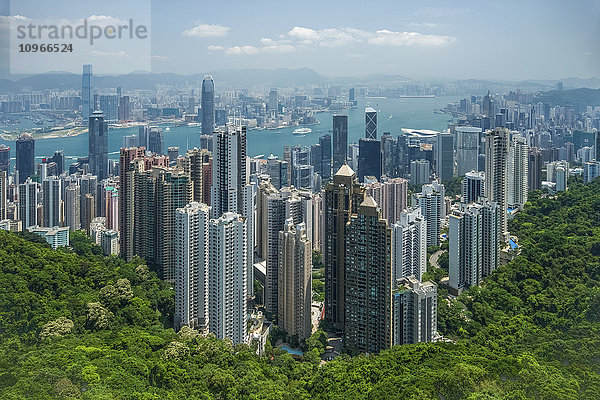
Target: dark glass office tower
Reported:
[(98, 145), (389, 153), (369, 158), (340, 141), (315, 159), (208, 105), (325, 142), (155, 140), (25, 146), (4, 158), (87, 95), (370, 123), (444, 156)]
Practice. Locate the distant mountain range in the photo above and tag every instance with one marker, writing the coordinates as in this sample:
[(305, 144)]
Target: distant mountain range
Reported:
[(251, 77), (147, 80)]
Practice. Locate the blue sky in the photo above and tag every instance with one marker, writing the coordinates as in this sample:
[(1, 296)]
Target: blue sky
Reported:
[(511, 40)]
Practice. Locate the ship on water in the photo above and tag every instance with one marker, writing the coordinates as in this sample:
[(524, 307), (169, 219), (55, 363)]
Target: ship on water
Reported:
[(302, 131)]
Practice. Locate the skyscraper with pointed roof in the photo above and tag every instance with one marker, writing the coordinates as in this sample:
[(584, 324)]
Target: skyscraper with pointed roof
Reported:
[(341, 199)]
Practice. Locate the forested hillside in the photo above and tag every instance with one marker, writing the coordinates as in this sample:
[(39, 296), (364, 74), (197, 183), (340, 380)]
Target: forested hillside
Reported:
[(76, 325)]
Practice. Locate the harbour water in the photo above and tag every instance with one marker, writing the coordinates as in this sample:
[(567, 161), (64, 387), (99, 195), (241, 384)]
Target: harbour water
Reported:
[(393, 114)]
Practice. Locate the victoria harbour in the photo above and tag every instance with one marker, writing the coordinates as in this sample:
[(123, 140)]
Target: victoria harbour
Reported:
[(394, 114)]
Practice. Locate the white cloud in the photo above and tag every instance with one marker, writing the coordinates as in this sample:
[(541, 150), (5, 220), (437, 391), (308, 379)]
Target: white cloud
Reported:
[(206, 30), (161, 58), (108, 53), (423, 24), (303, 37), (237, 50), (10, 21), (343, 36), (390, 38), (253, 50), (104, 20), (355, 55)]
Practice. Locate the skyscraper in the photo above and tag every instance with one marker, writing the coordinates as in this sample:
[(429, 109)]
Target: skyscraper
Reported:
[(431, 202), (325, 143), (52, 204), (275, 208), (392, 197), (487, 105), (534, 169), (72, 207), (370, 123), (444, 156), (25, 153), (295, 282), (561, 175), (414, 311), (277, 171), (465, 251), (472, 187), (342, 198), (3, 193), (490, 241), (173, 153), (4, 158), (109, 104), (368, 280), (369, 158), (340, 141), (228, 170), (196, 161), (191, 266), (273, 103), (474, 244), (208, 105), (155, 140), (158, 193), (98, 145), (409, 236), (517, 172), (389, 156), (126, 199), (88, 211), (87, 94), (227, 268), (591, 170), (28, 193), (419, 172), (467, 149), (111, 207), (315, 158), (496, 172)]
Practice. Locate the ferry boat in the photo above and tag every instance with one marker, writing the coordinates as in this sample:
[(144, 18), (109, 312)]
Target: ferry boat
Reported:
[(302, 131)]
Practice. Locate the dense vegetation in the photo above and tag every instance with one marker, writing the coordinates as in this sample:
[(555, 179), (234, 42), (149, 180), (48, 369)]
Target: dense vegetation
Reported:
[(74, 324)]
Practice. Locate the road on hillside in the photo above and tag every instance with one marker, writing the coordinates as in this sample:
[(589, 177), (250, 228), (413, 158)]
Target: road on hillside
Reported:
[(433, 260)]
